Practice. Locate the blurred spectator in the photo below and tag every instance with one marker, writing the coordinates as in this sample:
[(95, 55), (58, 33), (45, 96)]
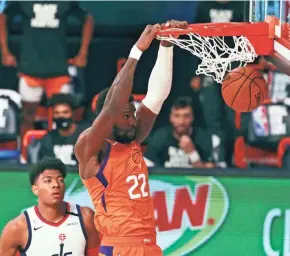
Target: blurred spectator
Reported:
[(218, 116), (279, 85), (180, 144), (43, 64), (220, 11), (60, 142)]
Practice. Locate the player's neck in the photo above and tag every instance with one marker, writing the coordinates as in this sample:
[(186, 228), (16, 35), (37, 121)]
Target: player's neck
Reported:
[(52, 213), (111, 137)]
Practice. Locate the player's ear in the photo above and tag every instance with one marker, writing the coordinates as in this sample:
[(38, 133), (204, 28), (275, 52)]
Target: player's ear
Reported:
[(34, 189)]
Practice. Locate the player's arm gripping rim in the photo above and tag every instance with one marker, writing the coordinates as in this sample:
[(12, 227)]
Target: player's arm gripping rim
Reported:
[(90, 141), (159, 85), (14, 235), (93, 237)]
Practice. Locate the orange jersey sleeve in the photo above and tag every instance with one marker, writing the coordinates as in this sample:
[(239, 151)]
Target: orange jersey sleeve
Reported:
[(95, 189), (120, 193)]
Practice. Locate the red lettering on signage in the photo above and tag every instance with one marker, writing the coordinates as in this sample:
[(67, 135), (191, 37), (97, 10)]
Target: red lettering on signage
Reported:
[(183, 203), (162, 221)]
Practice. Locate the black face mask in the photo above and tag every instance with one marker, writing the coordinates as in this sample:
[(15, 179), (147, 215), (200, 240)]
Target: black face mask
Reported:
[(63, 123)]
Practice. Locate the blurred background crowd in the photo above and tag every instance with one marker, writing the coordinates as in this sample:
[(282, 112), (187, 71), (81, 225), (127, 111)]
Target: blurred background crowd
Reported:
[(57, 56)]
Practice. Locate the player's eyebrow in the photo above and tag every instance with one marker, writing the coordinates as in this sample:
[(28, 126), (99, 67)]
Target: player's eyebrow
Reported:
[(50, 177), (46, 177)]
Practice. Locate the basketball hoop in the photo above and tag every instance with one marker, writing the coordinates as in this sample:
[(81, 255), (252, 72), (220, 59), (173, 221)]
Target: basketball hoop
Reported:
[(207, 42)]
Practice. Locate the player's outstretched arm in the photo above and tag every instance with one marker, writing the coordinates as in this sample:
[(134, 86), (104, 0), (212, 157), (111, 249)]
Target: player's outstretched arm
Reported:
[(90, 141), (12, 237), (159, 86), (93, 236)]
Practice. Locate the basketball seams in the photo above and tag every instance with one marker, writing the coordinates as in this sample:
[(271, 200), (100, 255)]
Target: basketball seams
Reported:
[(259, 86), (250, 88), (246, 78), (230, 82), (242, 74)]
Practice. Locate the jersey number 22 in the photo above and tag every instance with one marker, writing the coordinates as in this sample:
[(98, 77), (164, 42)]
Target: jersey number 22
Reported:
[(136, 179)]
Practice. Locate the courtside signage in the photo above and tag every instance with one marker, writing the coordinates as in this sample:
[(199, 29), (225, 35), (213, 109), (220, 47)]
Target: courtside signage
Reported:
[(188, 211), (195, 215)]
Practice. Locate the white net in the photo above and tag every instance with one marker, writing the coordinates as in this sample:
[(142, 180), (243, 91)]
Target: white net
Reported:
[(215, 54)]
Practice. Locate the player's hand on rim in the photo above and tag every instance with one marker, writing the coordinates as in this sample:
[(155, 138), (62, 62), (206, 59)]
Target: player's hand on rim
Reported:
[(173, 24), (147, 37)]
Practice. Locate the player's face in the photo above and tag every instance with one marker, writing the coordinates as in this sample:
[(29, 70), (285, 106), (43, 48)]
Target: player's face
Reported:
[(181, 119), (49, 187), (124, 129)]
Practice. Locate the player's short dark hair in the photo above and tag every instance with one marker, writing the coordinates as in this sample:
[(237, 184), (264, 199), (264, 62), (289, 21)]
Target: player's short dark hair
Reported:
[(47, 163), (63, 98), (182, 102), (101, 100)]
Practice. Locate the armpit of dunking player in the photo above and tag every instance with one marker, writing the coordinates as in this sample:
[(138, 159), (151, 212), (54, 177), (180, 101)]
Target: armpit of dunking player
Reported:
[(111, 164)]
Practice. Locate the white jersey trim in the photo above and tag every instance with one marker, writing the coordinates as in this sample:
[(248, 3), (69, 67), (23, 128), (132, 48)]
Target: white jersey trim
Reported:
[(71, 210)]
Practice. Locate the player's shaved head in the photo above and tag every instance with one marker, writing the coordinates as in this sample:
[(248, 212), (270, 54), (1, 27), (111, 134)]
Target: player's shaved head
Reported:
[(47, 163), (101, 100)]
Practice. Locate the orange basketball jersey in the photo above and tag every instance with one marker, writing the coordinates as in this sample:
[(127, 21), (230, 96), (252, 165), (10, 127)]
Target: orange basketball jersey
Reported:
[(120, 193)]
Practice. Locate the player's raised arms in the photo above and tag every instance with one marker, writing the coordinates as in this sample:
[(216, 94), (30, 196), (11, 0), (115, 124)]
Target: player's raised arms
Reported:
[(159, 86), (91, 140)]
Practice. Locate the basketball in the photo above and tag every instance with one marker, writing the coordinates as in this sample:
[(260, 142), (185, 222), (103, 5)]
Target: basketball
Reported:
[(244, 89)]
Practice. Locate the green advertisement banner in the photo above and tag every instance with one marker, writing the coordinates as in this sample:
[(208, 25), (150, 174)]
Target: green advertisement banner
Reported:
[(195, 215)]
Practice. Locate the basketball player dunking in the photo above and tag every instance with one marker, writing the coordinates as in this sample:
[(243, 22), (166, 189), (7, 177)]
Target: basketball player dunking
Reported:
[(52, 227), (118, 181)]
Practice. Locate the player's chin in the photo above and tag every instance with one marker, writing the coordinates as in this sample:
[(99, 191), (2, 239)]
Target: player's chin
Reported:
[(131, 134), (57, 198)]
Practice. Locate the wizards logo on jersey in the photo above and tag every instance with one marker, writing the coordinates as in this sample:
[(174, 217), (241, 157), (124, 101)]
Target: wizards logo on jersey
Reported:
[(62, 237)]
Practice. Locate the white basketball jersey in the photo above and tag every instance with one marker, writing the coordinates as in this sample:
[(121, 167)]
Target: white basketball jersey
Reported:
[(64, 238)]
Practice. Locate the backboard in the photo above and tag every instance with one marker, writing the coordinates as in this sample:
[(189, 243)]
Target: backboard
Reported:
[(258, 11)]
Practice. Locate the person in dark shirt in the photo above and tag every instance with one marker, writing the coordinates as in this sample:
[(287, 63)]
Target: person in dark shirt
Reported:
[(43, 63), (60, 142), (180, 144), (220, 11), (218, 116)]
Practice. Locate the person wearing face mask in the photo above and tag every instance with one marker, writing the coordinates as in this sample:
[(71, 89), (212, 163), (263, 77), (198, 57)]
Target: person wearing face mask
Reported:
[(60, 142)]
